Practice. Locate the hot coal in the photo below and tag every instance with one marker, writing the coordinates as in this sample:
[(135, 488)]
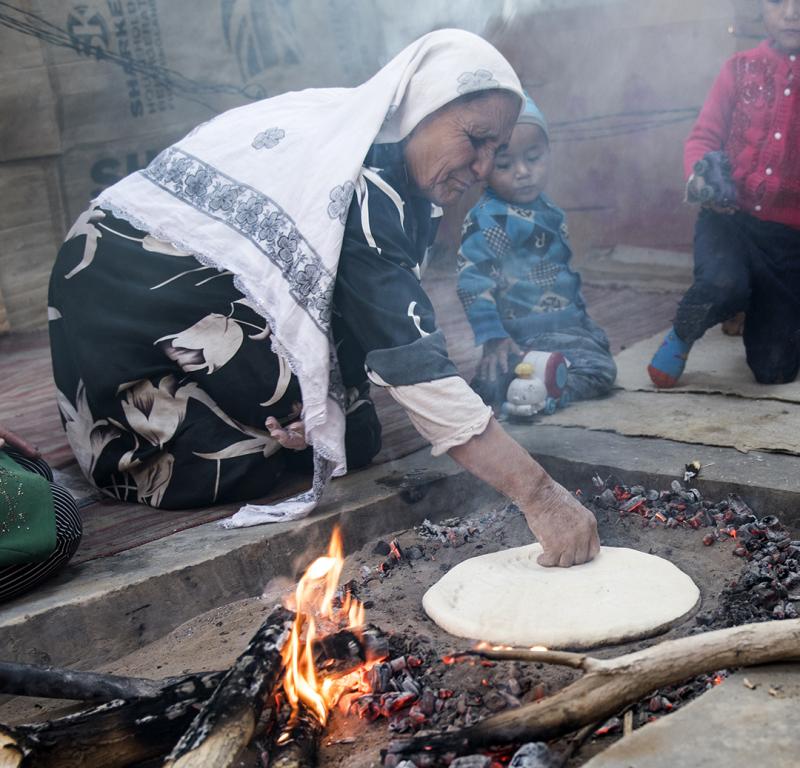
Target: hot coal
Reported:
[(768, 586), (417, 689)]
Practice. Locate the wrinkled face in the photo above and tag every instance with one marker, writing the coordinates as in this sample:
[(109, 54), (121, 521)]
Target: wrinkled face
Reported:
[(782, 22), (455, 146), (521, 166)]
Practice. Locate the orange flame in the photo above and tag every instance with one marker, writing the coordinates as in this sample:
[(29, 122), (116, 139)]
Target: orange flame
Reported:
[(314, 602)]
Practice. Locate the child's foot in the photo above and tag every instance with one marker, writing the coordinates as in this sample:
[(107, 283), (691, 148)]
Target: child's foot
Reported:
[(669, 361)]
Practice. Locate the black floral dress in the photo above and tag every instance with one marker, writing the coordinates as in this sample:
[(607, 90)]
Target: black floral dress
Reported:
[(166, 375)]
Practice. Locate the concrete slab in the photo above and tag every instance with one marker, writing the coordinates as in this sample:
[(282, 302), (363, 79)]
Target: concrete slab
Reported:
[(101, 609), (766, 481), (735, 725)]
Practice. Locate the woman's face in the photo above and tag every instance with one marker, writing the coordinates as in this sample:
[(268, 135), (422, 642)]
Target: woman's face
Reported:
[(454, 147)]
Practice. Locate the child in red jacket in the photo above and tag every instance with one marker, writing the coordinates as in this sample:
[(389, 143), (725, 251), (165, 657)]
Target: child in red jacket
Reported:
[(743, 163)]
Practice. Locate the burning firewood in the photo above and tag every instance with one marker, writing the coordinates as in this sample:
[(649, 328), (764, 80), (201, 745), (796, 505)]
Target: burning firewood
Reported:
[(350, 648), (297, 742), (227, 722), (610, 685), (123, 732)]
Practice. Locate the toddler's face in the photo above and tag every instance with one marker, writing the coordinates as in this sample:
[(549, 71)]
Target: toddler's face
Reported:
[(782, 22), (521, 167)]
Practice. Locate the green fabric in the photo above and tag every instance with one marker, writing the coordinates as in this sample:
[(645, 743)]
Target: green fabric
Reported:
[(27, 517)]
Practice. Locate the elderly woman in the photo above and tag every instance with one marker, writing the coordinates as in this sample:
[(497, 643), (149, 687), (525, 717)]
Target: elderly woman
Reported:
[(234, 300)]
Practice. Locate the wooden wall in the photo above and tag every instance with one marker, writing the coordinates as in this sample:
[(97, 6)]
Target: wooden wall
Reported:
[(98, 89)]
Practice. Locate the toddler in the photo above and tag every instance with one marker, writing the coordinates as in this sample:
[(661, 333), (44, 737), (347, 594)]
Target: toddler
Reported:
[(747, 249), (514, 279)]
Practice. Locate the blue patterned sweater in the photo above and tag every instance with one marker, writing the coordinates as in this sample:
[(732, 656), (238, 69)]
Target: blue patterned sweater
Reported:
[(513, 270)]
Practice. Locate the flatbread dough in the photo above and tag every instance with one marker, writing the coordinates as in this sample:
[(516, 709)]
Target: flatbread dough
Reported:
[(507, 598)]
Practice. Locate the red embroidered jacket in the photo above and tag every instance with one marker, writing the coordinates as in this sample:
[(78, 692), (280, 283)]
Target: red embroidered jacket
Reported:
[(753, 113)]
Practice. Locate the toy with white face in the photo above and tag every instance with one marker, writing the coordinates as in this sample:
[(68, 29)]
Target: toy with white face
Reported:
[(527, 394), (540, 381)]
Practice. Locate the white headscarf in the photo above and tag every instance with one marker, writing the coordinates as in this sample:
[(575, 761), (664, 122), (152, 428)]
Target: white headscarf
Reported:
[(263, 191)]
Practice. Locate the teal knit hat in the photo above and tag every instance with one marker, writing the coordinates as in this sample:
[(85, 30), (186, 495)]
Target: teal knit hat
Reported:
[(532, 115)]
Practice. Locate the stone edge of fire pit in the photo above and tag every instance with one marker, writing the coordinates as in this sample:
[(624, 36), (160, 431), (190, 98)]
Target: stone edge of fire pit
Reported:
[(750, 719), (102, 609), (764, 480)]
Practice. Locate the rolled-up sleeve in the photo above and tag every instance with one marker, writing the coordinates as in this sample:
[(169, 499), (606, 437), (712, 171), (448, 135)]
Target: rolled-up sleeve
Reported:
[(387, 313)]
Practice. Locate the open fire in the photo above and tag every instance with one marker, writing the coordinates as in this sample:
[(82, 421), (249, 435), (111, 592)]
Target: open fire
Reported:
[(464, 709), (322, 610)]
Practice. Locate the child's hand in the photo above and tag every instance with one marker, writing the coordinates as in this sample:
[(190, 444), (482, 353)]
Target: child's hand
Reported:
[(711, 184), (495, 355), (7, 437)]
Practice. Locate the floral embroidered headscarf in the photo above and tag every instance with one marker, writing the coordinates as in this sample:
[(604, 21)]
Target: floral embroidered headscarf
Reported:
[(263, 190)]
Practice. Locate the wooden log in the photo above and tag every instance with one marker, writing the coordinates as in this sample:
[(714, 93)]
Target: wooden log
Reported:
[(610, 685), (227, 722), (297, 744), (112, 735), (59, 683), (347, 649)]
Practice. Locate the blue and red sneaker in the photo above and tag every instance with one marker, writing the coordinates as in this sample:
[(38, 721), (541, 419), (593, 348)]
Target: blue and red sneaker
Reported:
[(669, 361)]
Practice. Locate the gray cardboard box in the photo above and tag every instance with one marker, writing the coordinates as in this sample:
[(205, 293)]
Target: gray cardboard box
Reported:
[(94, 89)]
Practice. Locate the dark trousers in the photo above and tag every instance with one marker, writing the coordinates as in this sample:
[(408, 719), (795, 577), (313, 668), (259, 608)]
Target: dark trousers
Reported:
[(592, 369), (744, 264)]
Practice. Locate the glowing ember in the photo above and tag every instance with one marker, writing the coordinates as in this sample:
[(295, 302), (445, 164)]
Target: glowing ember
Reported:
[(315, 604)]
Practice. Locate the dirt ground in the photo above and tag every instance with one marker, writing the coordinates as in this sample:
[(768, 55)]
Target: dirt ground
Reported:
[(394, 602)]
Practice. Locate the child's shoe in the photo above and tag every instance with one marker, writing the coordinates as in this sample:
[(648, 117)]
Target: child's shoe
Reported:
[(669, 361)]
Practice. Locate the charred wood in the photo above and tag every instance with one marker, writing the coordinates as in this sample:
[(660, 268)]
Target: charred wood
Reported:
[(58, 683), (610, 685), (297, 744), (111, 735), (350, 648), (227, 721)]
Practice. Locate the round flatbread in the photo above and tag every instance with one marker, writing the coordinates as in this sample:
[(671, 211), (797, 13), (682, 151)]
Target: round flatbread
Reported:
[(507, 598)]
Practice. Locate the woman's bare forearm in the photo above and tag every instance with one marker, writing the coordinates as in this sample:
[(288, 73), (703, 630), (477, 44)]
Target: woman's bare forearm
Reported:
[(566, 530), (501, 462)]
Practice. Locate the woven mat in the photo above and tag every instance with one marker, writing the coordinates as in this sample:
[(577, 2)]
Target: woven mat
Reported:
[(716, 364), (707, 419)]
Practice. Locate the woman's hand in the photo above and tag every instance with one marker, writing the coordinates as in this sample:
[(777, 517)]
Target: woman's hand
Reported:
[(495, 355), (566, 530), (293, 435), (8, 438)]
